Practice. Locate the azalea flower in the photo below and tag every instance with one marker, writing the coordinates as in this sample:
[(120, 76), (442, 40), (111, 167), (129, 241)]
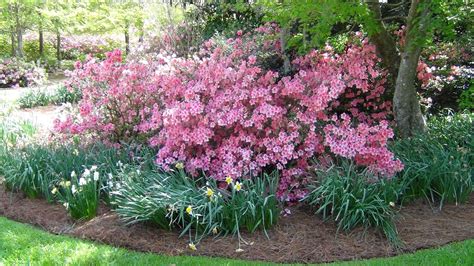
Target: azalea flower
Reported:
[(228, 180), (238, 186), (189, 210)]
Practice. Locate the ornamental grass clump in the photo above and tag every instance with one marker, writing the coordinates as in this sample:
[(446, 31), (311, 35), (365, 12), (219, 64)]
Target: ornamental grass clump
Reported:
[(353, 197), (196, 207)]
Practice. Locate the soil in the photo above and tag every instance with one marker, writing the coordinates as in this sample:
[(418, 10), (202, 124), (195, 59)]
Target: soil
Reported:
[(299, 237)]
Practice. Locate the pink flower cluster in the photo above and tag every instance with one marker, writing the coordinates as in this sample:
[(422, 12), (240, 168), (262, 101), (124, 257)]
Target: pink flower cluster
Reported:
[(224, 115)]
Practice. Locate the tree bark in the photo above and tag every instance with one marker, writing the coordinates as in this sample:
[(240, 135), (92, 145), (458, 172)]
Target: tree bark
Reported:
[(386, 47), (12, 36), (58, 48), (127, 41), (19, 41), (406, 105), (41, 42)]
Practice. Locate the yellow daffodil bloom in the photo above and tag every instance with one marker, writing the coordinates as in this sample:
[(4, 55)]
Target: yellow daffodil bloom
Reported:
[(54, 191), (228, 180), (179, 166), (392, 204), (189, 210), (209, 192), (192, 247), (214, 231), (238, 186)]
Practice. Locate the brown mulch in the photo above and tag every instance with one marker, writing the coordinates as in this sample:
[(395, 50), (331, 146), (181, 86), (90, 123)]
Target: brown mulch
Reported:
[(300, 237)]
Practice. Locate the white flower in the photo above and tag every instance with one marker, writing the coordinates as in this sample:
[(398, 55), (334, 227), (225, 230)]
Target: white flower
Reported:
[(86, 173), (66, 205), (73, 189), (138, 172), (110, 176), (119, 164), (73, 174), (96, 176), (94, 168), (82, 181)]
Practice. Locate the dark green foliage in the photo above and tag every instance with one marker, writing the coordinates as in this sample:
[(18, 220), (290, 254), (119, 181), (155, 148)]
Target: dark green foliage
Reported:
[(175, 200), (35, 169), (354, 197), (439, 165), (226, 17), (466, 101)]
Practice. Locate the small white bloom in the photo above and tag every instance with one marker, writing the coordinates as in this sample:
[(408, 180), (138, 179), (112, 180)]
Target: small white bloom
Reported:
[(86, 173), (110, 176), (82, 181), (119, 164), (94, 168), (138, 172), (117, 185), (96, 176), (73, 189), (73, 174), (66, 205)]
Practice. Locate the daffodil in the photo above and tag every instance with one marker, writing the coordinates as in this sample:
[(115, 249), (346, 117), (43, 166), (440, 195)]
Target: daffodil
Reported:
[(110, 176), (228, 180), (96, 176), (82, 181), (73, 174), (189, 210), (214, 231), (75, 152), (86, 173), (391, 203), (192, 247), (94, 168), (73, 189), (179, 166), (54, 191), (67, 184), (66, 205), (209, 192), (238, 186)]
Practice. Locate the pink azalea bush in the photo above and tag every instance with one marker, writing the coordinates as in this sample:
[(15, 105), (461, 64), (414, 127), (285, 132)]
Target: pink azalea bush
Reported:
[(224, 115)]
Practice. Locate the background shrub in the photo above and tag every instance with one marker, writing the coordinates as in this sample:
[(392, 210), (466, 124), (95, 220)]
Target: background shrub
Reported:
[(43, 97), (14, 72)]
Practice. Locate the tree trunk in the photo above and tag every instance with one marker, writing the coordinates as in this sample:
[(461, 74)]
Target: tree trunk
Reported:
[(406, 105), (58, 48), (127, 41), (41, 42), (386, 47), (286, 59), (19, 42), (12, 36)]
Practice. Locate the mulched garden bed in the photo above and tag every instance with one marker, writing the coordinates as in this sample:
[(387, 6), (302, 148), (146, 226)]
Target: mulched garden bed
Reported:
[(300, 237)]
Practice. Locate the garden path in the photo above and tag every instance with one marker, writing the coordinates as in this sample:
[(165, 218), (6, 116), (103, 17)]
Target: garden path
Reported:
[(42, 116)]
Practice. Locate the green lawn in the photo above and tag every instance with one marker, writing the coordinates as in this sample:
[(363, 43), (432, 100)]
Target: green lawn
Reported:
[(22, 244)]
